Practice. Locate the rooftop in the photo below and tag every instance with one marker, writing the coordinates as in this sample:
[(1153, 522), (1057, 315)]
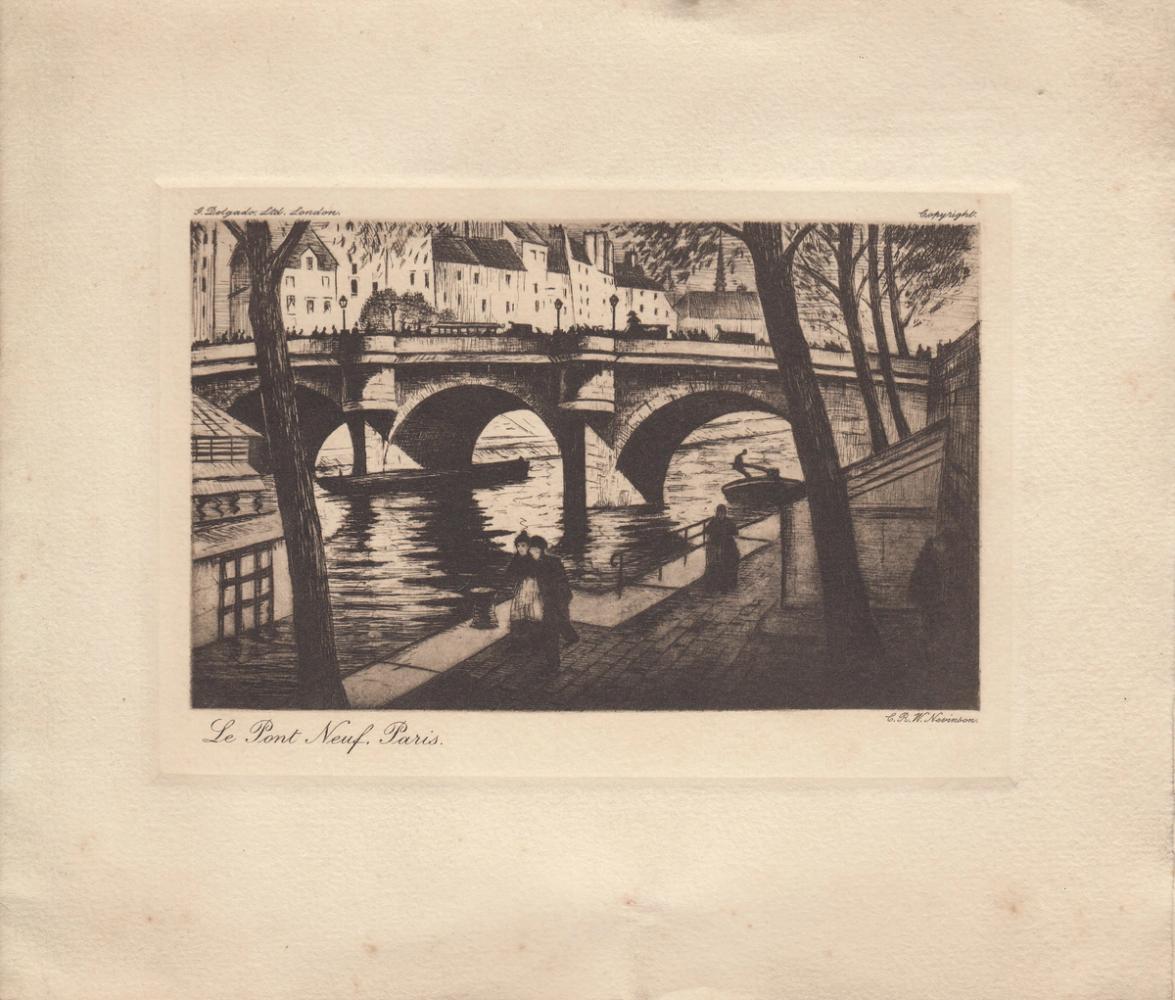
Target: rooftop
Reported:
[(212, 421), (310, 241), (633, 276), (476, 250)]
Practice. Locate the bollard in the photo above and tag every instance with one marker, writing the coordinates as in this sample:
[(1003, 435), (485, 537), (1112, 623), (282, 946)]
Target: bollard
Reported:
[(483, 608)]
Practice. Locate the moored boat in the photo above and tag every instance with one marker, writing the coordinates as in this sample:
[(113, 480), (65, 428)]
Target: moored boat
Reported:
[(391, 480), (763, 492)]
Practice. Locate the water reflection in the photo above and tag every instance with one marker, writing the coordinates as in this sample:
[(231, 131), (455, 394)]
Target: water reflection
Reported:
[(400, 564)]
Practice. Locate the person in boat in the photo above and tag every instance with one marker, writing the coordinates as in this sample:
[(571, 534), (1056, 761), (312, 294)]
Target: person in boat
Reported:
[(526, 603), (555, 593), (743, 467), (721, 552)]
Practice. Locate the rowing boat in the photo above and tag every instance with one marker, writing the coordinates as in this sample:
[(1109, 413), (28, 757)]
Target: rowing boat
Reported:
[(393, 480)]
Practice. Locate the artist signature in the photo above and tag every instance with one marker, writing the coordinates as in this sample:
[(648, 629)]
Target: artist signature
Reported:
[(928, 717)]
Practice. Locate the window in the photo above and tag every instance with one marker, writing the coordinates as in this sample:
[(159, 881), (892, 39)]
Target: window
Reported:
[(446, 298), (350, 226), (326, 305), (458, 275), (426, 279), (536, 305), (412, 278), (374, 287), (642, 308), (289, 281), (483, 305), (246, 591), (205, 236), (477, 277), (203, 284), (508, 277), (310, 262), (354, 287), (507, 308), (310, 305), (203, 263), (203, 312), (536, 290), (458, 298), (354, 268), (425, 261), (290, 306), (325, 281), (534, 255)]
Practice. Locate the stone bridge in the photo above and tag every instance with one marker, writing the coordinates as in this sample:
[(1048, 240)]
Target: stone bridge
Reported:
[(618, 409)]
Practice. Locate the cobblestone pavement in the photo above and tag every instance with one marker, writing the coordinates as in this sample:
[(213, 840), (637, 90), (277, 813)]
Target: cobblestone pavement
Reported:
[(697, 650)]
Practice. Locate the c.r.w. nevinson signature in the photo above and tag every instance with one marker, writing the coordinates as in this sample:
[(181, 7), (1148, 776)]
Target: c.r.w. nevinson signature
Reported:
[(335, 732)]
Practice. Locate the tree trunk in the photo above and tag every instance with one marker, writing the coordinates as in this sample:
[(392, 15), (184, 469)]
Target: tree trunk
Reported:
[(852, 638), (847, 295), (319, 682), (895, 300), (891, 387)]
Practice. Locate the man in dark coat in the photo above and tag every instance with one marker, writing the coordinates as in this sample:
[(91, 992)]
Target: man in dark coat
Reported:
[(556, 595)]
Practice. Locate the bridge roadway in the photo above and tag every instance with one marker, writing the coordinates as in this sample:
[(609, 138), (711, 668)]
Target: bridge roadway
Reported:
[(617, 408)]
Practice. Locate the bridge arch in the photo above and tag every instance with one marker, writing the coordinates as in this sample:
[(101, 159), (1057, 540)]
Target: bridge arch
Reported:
[(318, 416), (438, 427), (658, 428)]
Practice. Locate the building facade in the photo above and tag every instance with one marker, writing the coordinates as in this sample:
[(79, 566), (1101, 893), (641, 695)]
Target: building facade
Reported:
[(308, 294), (240, 578), (643, 296)]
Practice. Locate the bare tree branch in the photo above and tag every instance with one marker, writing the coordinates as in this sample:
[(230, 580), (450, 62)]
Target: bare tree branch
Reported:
[(277, 262), (818, 277), (797, 239), (235, 229), (730, 230)]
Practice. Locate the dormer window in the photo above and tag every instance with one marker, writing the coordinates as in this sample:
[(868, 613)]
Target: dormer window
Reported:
[(310, 262)]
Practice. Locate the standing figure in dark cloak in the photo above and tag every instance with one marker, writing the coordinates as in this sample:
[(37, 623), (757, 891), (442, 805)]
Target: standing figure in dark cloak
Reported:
[(555, 594), (721, 552)]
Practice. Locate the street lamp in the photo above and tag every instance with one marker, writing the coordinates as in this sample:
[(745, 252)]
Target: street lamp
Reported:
[(614, 301), (343, 306), (558, 310)]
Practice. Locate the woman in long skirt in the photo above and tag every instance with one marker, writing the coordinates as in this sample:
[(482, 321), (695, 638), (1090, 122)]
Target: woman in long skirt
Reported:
[(526, 602)]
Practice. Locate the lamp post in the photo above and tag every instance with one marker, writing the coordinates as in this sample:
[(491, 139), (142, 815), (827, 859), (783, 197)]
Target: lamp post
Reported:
[(558, 311), (393, 301), (614, 301), (343, 306)]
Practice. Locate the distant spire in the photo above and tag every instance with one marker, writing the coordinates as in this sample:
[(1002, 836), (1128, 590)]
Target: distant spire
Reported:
[(720, 270)]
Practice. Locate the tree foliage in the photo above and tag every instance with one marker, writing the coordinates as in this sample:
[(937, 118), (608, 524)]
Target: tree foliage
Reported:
[(926, 268)]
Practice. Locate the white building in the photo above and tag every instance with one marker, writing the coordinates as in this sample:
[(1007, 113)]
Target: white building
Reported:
[(643, 296), (308, 293), (469, 279)]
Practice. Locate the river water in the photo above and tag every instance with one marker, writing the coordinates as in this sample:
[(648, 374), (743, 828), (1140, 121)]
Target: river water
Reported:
[(400, 564)]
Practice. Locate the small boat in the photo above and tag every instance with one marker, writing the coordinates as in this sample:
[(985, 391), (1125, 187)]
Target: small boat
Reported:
[(764, 492), (391, 480)]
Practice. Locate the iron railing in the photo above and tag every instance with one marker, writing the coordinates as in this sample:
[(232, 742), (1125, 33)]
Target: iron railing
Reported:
[(692, 535)]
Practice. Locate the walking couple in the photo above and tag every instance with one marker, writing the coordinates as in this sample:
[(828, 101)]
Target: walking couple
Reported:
[(540, 609)]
